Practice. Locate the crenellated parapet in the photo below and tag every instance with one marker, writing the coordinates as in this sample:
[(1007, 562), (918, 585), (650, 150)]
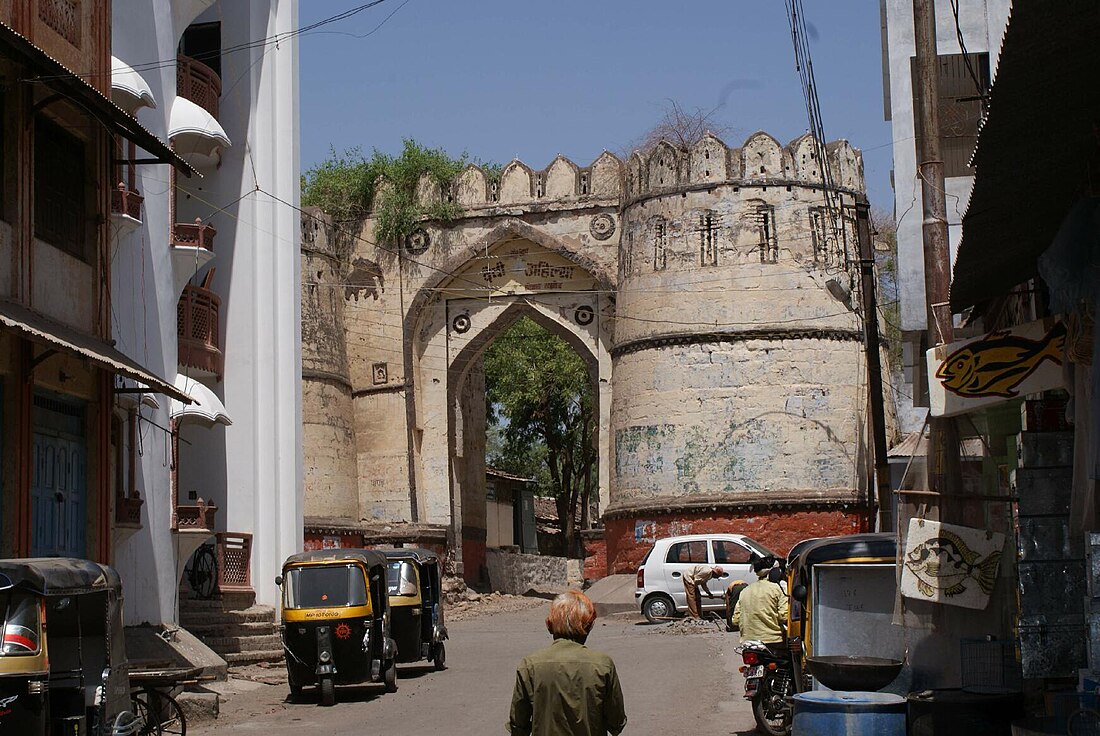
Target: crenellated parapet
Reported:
[(518, 184), (760, 160)]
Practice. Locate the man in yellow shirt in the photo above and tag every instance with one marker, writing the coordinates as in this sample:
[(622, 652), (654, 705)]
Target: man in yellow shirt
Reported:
[(761, 610)]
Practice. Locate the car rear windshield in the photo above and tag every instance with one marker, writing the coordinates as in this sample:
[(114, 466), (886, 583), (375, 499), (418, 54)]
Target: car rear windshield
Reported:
[(326, 586), (21, 625)]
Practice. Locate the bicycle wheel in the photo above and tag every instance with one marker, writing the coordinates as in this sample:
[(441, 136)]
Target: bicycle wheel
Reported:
[(160, 713), (1083, 722), (203, 576)]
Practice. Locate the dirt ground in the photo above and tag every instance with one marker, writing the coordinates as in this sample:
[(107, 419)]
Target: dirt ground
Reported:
[(666, 671)]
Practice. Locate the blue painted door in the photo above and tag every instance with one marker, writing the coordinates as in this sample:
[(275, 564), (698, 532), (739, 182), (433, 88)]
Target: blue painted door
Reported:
[(59, 487)]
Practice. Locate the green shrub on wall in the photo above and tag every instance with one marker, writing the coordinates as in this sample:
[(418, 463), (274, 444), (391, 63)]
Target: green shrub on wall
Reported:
[(350, 186)]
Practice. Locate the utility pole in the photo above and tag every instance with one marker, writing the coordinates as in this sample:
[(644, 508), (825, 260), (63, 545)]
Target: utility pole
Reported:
[(871, 346), (943, 445)]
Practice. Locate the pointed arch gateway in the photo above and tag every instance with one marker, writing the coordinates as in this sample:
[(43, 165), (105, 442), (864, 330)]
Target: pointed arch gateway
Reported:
[(515, 270)]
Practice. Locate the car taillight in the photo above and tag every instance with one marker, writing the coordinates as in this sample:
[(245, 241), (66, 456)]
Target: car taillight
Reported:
[(641, 577), (750, 657)]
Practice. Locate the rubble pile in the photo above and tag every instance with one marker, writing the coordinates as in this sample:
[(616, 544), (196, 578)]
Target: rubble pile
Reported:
[(463, 603), (690, 626)]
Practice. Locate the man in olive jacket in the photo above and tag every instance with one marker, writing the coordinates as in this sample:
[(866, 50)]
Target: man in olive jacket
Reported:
[(567, 689)]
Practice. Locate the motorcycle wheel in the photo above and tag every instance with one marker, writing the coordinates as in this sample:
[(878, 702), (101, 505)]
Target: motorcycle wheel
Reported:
[(328, 691), (440, 658), (770, 719)]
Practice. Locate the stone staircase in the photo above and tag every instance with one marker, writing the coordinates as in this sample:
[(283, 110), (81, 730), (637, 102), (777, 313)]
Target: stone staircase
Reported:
[(240, 631)]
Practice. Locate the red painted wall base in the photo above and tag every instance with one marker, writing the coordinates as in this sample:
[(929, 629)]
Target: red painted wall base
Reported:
[(629, 538)]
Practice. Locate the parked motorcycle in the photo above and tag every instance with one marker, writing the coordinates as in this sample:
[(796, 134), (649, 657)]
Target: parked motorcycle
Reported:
[(770, 678)]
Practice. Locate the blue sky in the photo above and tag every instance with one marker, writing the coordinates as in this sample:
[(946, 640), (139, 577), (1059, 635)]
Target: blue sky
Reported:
[(500, 79)]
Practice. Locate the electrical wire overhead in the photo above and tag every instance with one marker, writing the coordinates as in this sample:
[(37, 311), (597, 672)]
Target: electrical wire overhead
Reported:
[(804, 65)]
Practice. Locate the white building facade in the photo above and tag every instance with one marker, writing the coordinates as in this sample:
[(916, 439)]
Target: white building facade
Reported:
[(205, 285), (981, 25)]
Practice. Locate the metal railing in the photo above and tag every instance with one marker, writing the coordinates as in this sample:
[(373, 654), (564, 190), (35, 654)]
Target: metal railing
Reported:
[(198, 331), (199, 83)]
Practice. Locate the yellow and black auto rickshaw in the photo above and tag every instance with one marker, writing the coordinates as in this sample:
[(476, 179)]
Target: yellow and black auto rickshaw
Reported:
[(336, 621), (852, 549), (416, 605), (69, 676), (849, 584)]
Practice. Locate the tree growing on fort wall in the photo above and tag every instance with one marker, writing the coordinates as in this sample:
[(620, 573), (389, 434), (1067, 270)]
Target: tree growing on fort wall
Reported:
[(540, 401), (681, 126)]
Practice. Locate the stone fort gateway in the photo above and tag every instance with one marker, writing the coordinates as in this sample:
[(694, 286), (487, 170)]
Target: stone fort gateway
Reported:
[(692, 282)]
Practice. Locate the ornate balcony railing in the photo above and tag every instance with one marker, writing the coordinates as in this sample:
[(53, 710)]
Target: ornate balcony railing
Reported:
[(199, 83), (128, 510), (199, 517), (194, 234), (197, 330), (126, 202), (234, 562)]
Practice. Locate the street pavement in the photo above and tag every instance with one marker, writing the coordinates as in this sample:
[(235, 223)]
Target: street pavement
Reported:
[(673, 683)]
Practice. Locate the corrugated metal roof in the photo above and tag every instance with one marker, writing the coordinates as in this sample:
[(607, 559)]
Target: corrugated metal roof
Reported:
[(1034, 149), (57, 336), (497, 473), (60, 78)]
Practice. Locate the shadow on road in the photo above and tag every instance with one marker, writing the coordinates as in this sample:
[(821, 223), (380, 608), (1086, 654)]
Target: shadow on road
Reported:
[(311, 696)]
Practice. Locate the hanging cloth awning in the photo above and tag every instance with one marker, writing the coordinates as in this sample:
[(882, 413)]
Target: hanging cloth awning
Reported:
[(56, 336), (55, 75)]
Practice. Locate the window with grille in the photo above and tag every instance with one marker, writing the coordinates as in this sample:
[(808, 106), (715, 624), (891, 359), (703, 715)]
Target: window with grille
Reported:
[(627, 260), (963, 80), (59, 191), (769, 243), (203, 42), (708, 239), (660, 244), (819, 230)]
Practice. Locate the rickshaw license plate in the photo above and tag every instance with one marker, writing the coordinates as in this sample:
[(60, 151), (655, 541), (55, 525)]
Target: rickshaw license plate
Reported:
[(757, 671)]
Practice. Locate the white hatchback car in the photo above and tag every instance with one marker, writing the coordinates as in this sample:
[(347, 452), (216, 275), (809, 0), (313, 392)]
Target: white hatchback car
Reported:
[(660, 590)]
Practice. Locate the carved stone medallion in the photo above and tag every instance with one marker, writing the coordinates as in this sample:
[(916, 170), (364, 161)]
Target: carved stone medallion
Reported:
[(602, 227)]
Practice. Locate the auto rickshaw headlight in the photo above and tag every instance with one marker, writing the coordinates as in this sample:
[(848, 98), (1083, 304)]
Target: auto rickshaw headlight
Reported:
[(324, 656)]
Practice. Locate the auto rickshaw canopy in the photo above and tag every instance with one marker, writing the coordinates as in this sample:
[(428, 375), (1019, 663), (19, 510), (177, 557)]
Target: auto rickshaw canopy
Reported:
[(58, 576), (368, 557), (417, 554), (871, 546)]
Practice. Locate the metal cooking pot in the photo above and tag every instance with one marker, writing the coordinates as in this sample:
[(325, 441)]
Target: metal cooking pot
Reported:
[(845, 672)]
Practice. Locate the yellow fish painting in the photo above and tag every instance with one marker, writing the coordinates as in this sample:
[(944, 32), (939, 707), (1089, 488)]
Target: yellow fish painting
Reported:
[(997, 364), (947, 563)]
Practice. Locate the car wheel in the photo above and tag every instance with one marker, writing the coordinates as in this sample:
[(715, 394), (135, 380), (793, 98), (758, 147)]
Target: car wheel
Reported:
[(328, 691), (658, 608)]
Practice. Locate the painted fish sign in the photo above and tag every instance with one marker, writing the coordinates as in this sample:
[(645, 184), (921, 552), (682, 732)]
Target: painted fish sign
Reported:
[(972, 374), (954, 565)]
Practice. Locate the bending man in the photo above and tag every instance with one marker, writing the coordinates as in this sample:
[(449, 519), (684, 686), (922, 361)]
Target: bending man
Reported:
[(696, 578)]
